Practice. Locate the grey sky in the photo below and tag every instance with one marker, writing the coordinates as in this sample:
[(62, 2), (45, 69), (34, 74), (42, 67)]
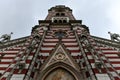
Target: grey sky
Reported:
[(19, 16)]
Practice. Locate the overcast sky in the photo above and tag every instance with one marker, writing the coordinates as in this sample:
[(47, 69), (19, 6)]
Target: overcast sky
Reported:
[(19, 16)]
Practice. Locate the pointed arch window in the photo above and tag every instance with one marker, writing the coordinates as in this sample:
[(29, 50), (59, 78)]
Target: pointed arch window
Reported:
[(59, 74)]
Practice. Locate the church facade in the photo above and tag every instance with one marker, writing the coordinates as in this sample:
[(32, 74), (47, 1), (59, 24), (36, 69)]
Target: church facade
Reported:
[(60, 48)]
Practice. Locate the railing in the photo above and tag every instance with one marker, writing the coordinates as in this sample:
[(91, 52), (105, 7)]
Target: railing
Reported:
[(13, 42), (106, 42)]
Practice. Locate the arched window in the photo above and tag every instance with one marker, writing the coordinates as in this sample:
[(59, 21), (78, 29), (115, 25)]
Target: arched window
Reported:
[(60, 21), (64, 21), (57, 14), (62, 14), (55, 21)]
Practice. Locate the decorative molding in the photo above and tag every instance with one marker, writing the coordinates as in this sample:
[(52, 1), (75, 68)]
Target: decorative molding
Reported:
[(60, 54), (106, 42), (13, 42)]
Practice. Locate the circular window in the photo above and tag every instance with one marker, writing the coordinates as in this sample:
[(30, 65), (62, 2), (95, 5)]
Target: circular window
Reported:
[(60, 34)]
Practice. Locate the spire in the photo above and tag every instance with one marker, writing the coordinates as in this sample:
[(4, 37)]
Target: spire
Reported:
[(60, 11)]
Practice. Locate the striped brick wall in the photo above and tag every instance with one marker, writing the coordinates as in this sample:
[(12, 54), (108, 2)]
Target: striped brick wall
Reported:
[(86, 59)]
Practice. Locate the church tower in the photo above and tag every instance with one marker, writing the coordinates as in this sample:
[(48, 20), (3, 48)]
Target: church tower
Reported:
[(60, 48)]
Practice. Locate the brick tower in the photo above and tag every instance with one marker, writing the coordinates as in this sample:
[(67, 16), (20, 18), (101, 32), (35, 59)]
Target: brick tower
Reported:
[(60, 48)]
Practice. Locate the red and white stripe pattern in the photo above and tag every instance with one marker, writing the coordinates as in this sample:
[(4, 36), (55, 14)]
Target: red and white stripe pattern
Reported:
[(111, 61), (84, 59), (8, 60), (12, 55)]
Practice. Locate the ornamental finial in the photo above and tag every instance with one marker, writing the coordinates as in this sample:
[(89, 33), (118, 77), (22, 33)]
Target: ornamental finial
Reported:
[(114, 36), (5, 37)]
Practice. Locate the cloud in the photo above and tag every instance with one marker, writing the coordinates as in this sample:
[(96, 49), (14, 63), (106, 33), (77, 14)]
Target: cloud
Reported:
[(20, 16), (114, 15)]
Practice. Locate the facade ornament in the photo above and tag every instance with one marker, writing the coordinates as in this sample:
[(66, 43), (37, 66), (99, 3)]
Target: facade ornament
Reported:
[(21, 65), (85, 41), (98, 65), (32, 45), (60, 34), (36, 35), (114, 36), (5, 37)]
